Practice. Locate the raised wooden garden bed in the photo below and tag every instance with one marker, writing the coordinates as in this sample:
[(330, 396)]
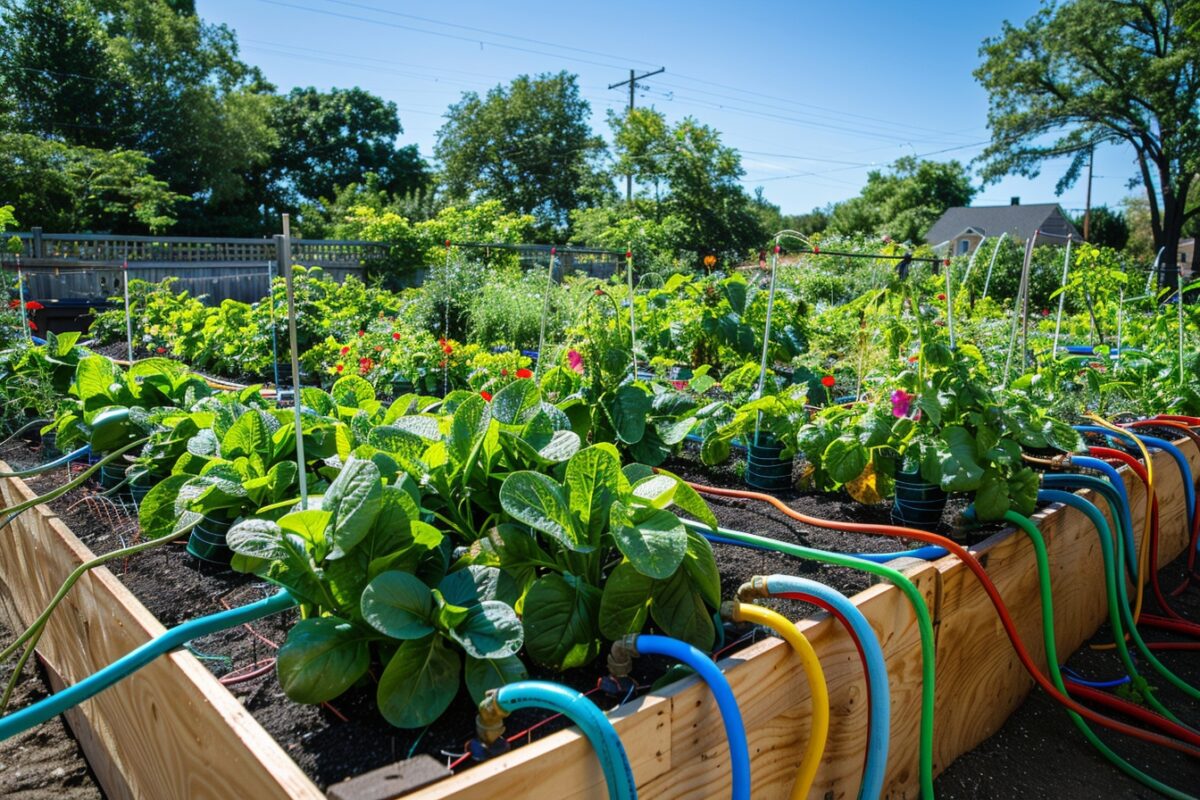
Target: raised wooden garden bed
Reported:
[(174, 731)]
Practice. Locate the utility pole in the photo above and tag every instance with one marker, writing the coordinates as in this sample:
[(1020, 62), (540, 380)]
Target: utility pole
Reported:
[(633, 79), (1087, 209)]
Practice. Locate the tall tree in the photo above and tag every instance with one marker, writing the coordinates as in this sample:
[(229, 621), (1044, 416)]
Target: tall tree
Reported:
[(335, 138), (146, 76), (684, 170), (905, 200), (527, 145), (1086, 72)]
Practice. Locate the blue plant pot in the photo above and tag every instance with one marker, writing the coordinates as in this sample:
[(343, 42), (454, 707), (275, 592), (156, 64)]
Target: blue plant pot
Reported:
[(207, 541)]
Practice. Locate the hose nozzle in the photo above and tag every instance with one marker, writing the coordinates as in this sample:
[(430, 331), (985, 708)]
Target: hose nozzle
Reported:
[(753, 589), (620, 657)]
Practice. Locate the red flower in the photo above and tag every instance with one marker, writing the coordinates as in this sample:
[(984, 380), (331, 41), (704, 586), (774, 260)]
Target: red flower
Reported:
[(503, 372), (395, 337), (378, 348), (486, 396), (362, 333), (913, 359), (339, 367), (828, 381), (524, 373), (600, 292), (160, 350), (447, 349), (364, 365), (345, 350), (442, 364), (32, 325), (33, 305), (942, 297), (1045, 312)]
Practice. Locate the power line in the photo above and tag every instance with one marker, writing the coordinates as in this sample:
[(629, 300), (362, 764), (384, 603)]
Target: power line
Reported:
[(633, 82)]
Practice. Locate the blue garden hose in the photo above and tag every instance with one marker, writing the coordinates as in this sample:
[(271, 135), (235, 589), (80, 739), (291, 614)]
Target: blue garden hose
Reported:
[(122, 668), (1074, 677), (1119, 511), (618, 775), (58, 462), (877, 676), (927, 553), (1118, 483), (710, 673)]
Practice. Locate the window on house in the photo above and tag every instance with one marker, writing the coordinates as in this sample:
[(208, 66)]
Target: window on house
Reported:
[(1183, 258), (963, 246)]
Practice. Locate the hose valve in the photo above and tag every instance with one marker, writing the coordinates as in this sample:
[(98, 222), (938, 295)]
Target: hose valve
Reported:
[(620, 665), (489, 729), (753, 589)]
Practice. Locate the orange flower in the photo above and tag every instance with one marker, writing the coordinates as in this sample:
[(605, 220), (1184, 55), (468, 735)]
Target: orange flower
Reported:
[(524, 373), (447, 349)]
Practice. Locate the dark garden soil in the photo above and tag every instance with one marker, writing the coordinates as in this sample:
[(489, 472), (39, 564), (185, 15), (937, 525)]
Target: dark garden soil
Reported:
[(46, 761), (328, 741)]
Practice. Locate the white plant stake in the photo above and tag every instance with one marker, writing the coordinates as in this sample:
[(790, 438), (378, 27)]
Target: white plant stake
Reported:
[(632, 322), (291, 300), (987, 281), (950, 302), (971, 262), (1179, 304), (541, 354), (1154, 269), (128, 316), (1062, 299), (1022, 290), (762, 370), (446, 322)]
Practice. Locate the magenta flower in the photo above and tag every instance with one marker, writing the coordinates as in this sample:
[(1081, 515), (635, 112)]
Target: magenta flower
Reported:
[(901, 403), (575, 361)]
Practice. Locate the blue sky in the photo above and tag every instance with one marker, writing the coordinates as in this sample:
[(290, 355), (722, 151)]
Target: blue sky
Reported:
[(814, 94)]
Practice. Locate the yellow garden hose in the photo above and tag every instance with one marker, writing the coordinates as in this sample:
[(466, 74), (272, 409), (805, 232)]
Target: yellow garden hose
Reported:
[(1144, 544), (745, 612)]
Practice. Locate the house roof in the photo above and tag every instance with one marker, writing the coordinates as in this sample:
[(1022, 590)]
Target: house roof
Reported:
[(1018, 221)]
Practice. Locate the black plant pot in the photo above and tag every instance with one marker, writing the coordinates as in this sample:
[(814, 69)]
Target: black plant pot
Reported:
[(766, 470), (207, 541), (918, 503)]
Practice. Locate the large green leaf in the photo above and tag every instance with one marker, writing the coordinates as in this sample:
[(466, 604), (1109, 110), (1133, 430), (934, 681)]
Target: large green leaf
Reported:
[(491, 630), (157, 514), (513, 402), (539, 502), (627, 411), (492, 673), (1023, 489), (93, 377), (679, 610), (701, 569), (951, 462), (561, 628), (398, 605), (470, 424), (845, 459), (690, 501), (991, 501), (625, 603), (653, 540), (353, 392), (353, 499), (592, 478), (419, 682), (248, 436), (257, 539), (322, 657)]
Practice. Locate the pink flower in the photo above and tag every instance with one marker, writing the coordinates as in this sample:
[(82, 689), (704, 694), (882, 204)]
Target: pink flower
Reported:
[(575, 361), (901, 403)]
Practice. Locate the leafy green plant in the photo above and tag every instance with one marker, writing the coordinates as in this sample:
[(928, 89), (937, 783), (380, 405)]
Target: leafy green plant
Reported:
[(596, 554)]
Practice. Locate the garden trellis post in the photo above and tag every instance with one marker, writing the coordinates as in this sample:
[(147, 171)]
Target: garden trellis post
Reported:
[(971, 262), (950, 302), (632, 322), (274, 324), (537, 366), (1062, 299), (762, 370), (446, 284), (128, 315), (987, 281), (285, 261), (21, 301), (1020, 303)]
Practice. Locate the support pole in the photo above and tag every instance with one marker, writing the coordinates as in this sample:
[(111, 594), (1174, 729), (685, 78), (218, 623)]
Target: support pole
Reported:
[(537, 366), (987, 281), (21, 301), (286, 264), (128, 315), (274, 323), (950, 302), (762, 370), (446, 320), (1062, 299), (632, 319), (1021, 288)]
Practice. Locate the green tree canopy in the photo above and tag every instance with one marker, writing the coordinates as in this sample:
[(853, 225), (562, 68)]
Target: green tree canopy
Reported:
[(904, 201), (332, 139), (527, 145), (1086, 72), (684, 170), (1106, 227)]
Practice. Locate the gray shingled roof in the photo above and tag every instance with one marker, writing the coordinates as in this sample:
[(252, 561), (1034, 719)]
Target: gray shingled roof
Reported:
[(1019, 221)]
